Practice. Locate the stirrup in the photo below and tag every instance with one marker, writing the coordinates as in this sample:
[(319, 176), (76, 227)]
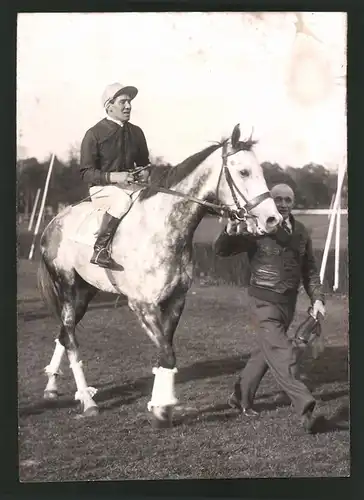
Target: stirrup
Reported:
[(96, 254), (107, 263)]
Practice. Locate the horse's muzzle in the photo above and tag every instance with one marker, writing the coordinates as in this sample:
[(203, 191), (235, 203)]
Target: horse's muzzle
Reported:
[(272, 222)]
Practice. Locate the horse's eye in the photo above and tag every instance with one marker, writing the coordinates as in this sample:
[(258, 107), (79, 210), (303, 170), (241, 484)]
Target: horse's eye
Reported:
[(244, 173)]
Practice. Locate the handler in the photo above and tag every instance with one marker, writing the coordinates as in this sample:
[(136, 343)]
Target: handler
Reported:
[(111, 151), (278, 264)]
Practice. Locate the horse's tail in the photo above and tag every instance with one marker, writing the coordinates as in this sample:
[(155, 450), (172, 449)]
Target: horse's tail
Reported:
[(48, 289)]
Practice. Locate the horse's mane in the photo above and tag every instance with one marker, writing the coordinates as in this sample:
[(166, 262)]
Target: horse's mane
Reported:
[(168, 176)]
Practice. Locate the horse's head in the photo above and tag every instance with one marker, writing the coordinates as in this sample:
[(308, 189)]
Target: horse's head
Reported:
[(242, 185)]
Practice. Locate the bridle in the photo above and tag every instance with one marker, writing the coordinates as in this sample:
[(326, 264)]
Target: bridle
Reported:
[(240, 213)]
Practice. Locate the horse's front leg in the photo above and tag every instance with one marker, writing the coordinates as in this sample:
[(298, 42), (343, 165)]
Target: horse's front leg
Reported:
[(160, 323)]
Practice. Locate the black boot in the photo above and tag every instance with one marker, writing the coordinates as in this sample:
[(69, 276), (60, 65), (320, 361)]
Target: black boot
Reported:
[(308, 421), (235, 401), (102, 256)]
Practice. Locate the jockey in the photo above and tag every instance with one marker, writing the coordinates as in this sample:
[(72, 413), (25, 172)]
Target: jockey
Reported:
[(111, 151)]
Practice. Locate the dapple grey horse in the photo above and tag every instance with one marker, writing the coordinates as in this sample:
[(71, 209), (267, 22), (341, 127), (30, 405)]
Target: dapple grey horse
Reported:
[(153, 243)]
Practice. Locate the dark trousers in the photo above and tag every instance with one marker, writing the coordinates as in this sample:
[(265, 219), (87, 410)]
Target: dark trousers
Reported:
[(275, 352)]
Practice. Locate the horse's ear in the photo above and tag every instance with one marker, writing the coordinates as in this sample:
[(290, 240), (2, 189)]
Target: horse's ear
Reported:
[(235, 136)]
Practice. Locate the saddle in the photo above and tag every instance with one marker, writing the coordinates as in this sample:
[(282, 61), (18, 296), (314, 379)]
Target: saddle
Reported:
[(87, 229)]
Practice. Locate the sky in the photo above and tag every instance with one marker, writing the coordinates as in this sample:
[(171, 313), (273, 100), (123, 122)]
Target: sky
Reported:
[(198, 74)]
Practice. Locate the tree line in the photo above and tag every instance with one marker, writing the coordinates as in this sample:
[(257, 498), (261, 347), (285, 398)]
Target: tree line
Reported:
[(313, 184)]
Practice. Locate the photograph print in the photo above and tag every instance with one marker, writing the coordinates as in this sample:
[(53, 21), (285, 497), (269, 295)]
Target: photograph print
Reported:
[(182, 246)]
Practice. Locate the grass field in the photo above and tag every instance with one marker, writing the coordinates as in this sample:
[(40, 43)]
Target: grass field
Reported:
[(208, 439), (233, 270), (210, 227), (318, 225)]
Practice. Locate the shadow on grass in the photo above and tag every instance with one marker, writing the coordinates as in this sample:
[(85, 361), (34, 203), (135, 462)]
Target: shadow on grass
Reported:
[(44, 313), (283, 401), (44, 404), (129, 392), (217, 413), (196, 371), (339, 421), (331, 367), (223, 413)]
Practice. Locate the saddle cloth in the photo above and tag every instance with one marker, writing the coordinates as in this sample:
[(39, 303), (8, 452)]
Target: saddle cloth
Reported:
[(87, 230)]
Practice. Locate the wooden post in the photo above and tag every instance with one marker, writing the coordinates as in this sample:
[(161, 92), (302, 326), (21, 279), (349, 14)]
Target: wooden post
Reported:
[(338, 230), (337, 247), (34, 209), (41, 207), (340, 180), (331, 205)]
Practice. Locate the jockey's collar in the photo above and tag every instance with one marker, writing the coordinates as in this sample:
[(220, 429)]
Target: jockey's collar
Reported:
[(121, 124)]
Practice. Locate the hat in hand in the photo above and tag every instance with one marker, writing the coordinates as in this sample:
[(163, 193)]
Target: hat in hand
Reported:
[(308, 330)]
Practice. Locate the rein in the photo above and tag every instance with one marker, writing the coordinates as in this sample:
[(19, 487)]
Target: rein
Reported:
[(219, 208), (241, 214)]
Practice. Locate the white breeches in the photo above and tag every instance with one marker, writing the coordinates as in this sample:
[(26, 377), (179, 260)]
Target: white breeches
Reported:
[(113, 199)]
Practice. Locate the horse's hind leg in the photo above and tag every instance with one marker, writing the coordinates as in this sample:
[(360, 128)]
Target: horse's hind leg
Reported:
[(53, 371), (84, 293), (67, 338)]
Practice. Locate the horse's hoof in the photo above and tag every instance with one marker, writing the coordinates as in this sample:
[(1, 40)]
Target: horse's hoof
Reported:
[(163, 419), (50, 395), (92, 411), (161, 424)]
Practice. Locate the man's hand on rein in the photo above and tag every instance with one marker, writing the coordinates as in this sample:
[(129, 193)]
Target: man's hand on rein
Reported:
[(246, 228), (120, 177), (143, 175), (235, 227)]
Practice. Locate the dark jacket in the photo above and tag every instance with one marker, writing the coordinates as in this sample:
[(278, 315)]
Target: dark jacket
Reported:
[(278, 262), (107, 147)]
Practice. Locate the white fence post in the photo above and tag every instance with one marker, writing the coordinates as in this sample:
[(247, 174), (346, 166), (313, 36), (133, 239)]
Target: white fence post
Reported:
[(340, 180), (41, 207), (34, 210), (337, 248)]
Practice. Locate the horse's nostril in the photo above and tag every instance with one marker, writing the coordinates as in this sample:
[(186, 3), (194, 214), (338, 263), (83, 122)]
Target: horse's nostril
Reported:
[(271, 221)]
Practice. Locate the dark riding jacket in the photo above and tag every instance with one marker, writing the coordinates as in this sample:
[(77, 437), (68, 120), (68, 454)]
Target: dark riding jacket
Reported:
[(278, 263), (108, 147)]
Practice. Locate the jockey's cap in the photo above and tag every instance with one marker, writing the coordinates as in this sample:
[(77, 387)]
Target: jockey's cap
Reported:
[(116, 89), (282, 190)]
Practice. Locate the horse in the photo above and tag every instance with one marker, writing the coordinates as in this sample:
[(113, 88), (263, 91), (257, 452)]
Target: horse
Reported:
[(153, 243)]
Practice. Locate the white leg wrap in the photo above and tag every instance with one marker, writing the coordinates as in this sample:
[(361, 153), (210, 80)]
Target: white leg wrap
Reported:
[(83, 393), (163, 388), (51, 384), (54, 365), (80, 395), (53, 369)]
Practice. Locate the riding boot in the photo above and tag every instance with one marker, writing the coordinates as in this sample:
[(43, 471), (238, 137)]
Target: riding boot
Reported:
[(102, 254)]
